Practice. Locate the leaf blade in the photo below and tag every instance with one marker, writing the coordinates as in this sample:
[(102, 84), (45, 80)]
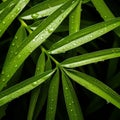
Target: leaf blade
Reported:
[(92, 57), (23, 87), (52, 97), (95, 86), (72, 104), (83, 36), (35, 39)]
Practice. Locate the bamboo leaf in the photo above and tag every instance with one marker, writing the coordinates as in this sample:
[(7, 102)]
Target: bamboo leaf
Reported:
[(34, 40), (105, 12), (74, 19), (3, 5), (72, 103), (92, 57), (8, 19), (95, 86), (42, 9), (84, 36), (52, 97), (43, 91), (18, 39), (23, 87), (35, 92)]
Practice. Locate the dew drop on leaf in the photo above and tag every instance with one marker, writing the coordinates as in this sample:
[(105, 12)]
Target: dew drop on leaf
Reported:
[(66, 88), (3, 79), (8, 76), (16, 66), (2, 73), (16, 37), (52, 100), (35, 16), (13, 44), (3, 22), (16, 53), (19, 56), (34, 83), (50, 30)]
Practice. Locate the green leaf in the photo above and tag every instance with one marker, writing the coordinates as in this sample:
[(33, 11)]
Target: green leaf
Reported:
[(23, 87), (95, 86), (43, 91), (18, 39), (92, 57), (52, 97), (35, 39), (74, 19), (84, 36), (3, 5), (72, 103), (105, 12), (11, 15), (42, 9), (35, 92)]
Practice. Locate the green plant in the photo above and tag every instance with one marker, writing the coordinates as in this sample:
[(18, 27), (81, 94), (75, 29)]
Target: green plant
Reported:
[(54, 44)]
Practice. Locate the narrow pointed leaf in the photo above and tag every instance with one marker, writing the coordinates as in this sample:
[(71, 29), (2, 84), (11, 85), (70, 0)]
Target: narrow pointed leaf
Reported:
[(18, 39), (95, 86), (3, 5), (35, 92), (8, 19), (84, 36), (52, 97), (43, 92), (35, 39), (42, 9), (23, 87), (92, 57), (72, 103), (105, 12)]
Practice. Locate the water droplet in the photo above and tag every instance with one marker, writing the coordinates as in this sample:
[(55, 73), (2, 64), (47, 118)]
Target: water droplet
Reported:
[(105, 16), (3, 79), (50, 30), (3, 22), (70, 104), (13, 44), (16, 37), (51, 108), (52, 100), (34, 40), (19, 56), (18, 9), (8, 76), (2, 72), (12, 16), (16, 66), (66, 88), (34, 83), (73, 1), (35, 16), (91, 36), (16, 53), (74, 44)]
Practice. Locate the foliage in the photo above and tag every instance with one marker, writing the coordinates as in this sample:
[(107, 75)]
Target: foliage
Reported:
[(58, 57)]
